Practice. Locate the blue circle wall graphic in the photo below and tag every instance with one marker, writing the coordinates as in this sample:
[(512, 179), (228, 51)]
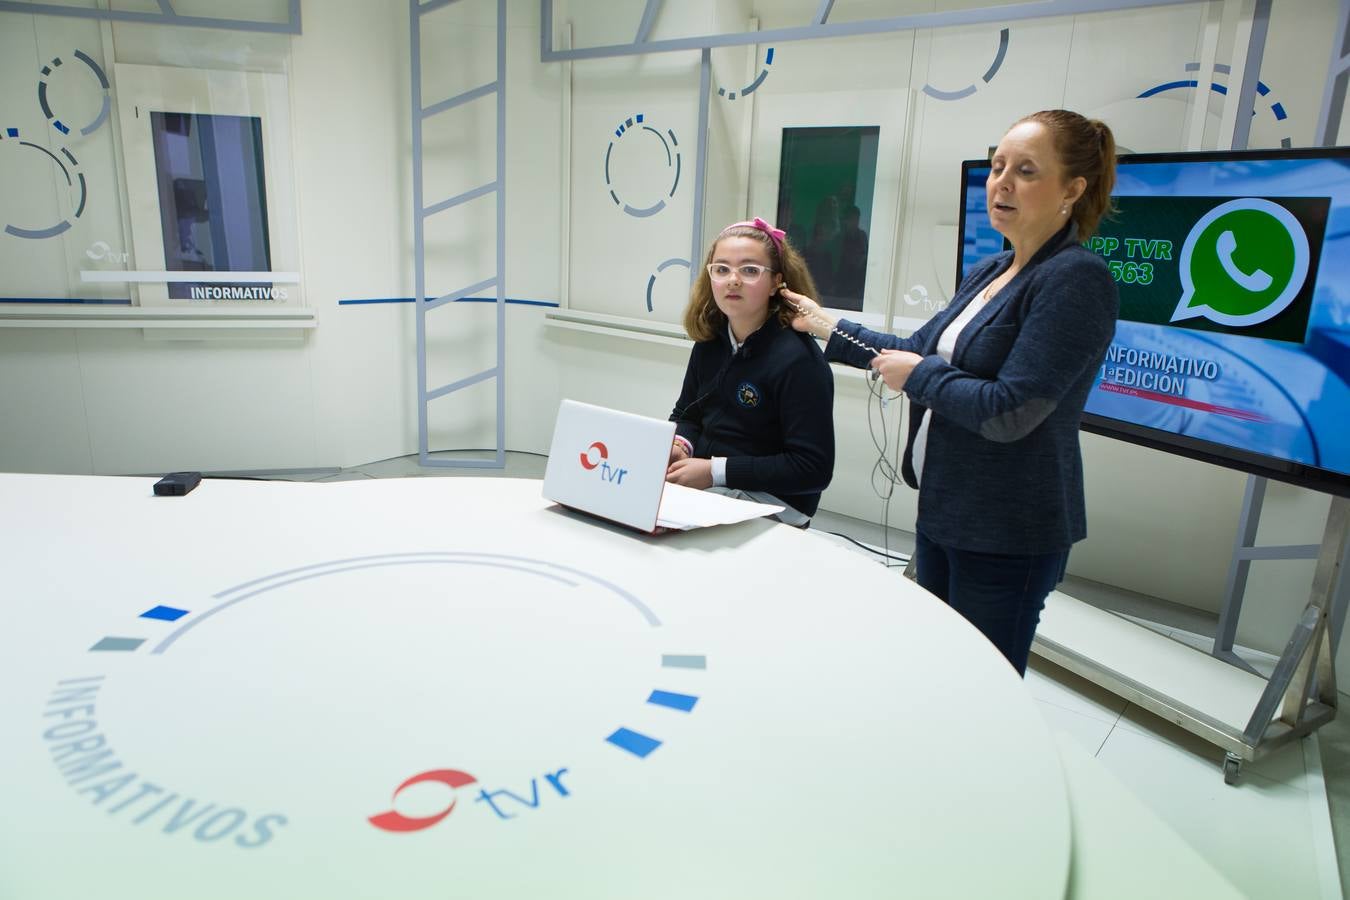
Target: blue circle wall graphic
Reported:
[(651, 279), (103, 83), (752, 86), (988, 76), (11, 136), (635, 125), (1262, 89)]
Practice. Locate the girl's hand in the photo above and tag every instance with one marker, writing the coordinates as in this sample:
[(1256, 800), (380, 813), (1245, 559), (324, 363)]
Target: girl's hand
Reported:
[(677, 452), (694, 473), (895, 366), (811, 319)]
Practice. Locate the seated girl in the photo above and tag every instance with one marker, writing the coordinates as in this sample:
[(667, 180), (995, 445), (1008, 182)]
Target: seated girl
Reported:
[(755, 415)]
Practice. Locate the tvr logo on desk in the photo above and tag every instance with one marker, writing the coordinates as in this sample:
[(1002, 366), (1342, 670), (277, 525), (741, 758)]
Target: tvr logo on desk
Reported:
[(597, 456), (395, 821)]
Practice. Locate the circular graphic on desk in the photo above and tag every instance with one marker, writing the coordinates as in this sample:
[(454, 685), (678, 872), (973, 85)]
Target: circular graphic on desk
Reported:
[(466, 606), (432, 687)]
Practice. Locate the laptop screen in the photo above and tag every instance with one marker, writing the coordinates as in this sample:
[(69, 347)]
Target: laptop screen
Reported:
[(608, 463)]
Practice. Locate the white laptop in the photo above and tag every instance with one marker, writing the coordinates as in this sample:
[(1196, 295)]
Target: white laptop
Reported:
[(612, 464)]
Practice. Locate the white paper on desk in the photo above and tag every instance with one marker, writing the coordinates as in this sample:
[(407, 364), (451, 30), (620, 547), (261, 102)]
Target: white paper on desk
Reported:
[(684, 508)]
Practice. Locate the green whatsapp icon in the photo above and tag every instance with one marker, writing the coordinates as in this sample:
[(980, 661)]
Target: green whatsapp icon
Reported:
[(1243, 263)]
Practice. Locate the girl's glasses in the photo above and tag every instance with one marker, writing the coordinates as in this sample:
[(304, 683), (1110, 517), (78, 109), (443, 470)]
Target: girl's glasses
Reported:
[(748, 273)]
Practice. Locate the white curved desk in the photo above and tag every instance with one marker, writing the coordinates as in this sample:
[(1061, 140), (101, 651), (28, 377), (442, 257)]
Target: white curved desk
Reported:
[(746, 711)]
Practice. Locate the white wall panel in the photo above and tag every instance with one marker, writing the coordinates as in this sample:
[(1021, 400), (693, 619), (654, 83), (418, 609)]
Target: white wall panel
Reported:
[(947, 131), (42, 404), (173, 405), (351, 139), (613, 252), (1104, 83)]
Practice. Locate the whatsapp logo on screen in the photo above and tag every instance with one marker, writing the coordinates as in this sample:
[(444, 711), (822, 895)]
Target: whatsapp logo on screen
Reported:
[(1243, 263)]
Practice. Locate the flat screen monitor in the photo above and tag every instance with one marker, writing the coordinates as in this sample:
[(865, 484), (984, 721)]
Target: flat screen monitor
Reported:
[(1233, 341)]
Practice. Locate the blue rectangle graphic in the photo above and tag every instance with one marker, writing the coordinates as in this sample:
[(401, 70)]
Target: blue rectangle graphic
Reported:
[(164, 613), (637, 744), (682, 702)]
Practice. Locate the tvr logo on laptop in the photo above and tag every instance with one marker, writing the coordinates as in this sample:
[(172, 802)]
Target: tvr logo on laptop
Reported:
[(597, 456)]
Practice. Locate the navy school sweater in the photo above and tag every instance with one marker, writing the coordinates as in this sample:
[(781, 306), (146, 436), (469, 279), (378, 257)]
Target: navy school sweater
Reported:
[(768, 408)]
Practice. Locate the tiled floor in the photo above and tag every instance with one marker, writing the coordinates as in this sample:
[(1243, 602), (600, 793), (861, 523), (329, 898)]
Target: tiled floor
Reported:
[(1263, 834), (1271, 835)]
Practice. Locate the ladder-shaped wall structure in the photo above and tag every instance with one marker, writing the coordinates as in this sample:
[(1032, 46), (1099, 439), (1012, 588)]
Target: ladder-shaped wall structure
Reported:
[(422, 211)]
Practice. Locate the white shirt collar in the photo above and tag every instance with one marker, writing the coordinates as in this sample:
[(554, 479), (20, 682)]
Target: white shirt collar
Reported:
[(731, 336)]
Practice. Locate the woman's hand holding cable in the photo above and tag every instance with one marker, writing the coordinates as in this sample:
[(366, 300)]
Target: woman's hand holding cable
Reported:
[(895, 366)]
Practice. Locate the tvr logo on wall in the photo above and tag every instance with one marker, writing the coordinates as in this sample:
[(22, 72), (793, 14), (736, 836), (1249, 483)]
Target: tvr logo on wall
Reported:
[(597, 456)]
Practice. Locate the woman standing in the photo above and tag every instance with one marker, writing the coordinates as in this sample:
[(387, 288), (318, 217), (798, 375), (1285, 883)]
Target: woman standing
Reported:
[(998, 380)]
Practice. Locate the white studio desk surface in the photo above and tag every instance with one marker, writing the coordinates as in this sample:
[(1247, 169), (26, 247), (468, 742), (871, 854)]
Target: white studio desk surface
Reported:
[(582, 711)]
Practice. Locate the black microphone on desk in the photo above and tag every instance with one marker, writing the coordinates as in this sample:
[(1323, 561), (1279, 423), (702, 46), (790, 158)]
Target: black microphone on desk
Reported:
[(177, 484)]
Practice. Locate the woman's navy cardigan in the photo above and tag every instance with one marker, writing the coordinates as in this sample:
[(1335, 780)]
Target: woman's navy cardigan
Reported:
[(1003, 472)]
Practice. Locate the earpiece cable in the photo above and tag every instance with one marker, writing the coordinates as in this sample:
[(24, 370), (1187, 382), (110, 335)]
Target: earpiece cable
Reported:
[(834, 329), (885, 472)]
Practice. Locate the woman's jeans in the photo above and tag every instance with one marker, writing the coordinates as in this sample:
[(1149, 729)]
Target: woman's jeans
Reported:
[(1000, 595)]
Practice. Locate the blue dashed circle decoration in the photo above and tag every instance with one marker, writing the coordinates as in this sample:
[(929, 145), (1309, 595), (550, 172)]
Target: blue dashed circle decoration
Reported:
[(1262, 89), (651, 279), (637, 743), (634, 125), (988, 76), (98, 73), (752, 86), (72, 173)]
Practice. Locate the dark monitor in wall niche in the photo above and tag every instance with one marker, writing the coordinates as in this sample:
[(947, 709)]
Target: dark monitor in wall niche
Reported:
[(826, 186), (212, 202), (1233, 341)]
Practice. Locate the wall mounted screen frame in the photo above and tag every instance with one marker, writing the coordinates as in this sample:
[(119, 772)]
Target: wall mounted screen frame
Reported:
[(1262, 388)]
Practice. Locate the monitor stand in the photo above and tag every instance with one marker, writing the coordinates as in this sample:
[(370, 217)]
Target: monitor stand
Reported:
[(1230, 706)]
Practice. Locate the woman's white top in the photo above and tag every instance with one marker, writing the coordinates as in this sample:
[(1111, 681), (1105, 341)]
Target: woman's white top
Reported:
[(946, 344)]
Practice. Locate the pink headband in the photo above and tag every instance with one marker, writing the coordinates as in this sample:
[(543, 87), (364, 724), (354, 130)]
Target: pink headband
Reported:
[(775, 234)]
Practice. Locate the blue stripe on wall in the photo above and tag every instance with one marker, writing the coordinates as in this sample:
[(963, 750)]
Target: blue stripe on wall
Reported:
[(68, 301), (366, 301)]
